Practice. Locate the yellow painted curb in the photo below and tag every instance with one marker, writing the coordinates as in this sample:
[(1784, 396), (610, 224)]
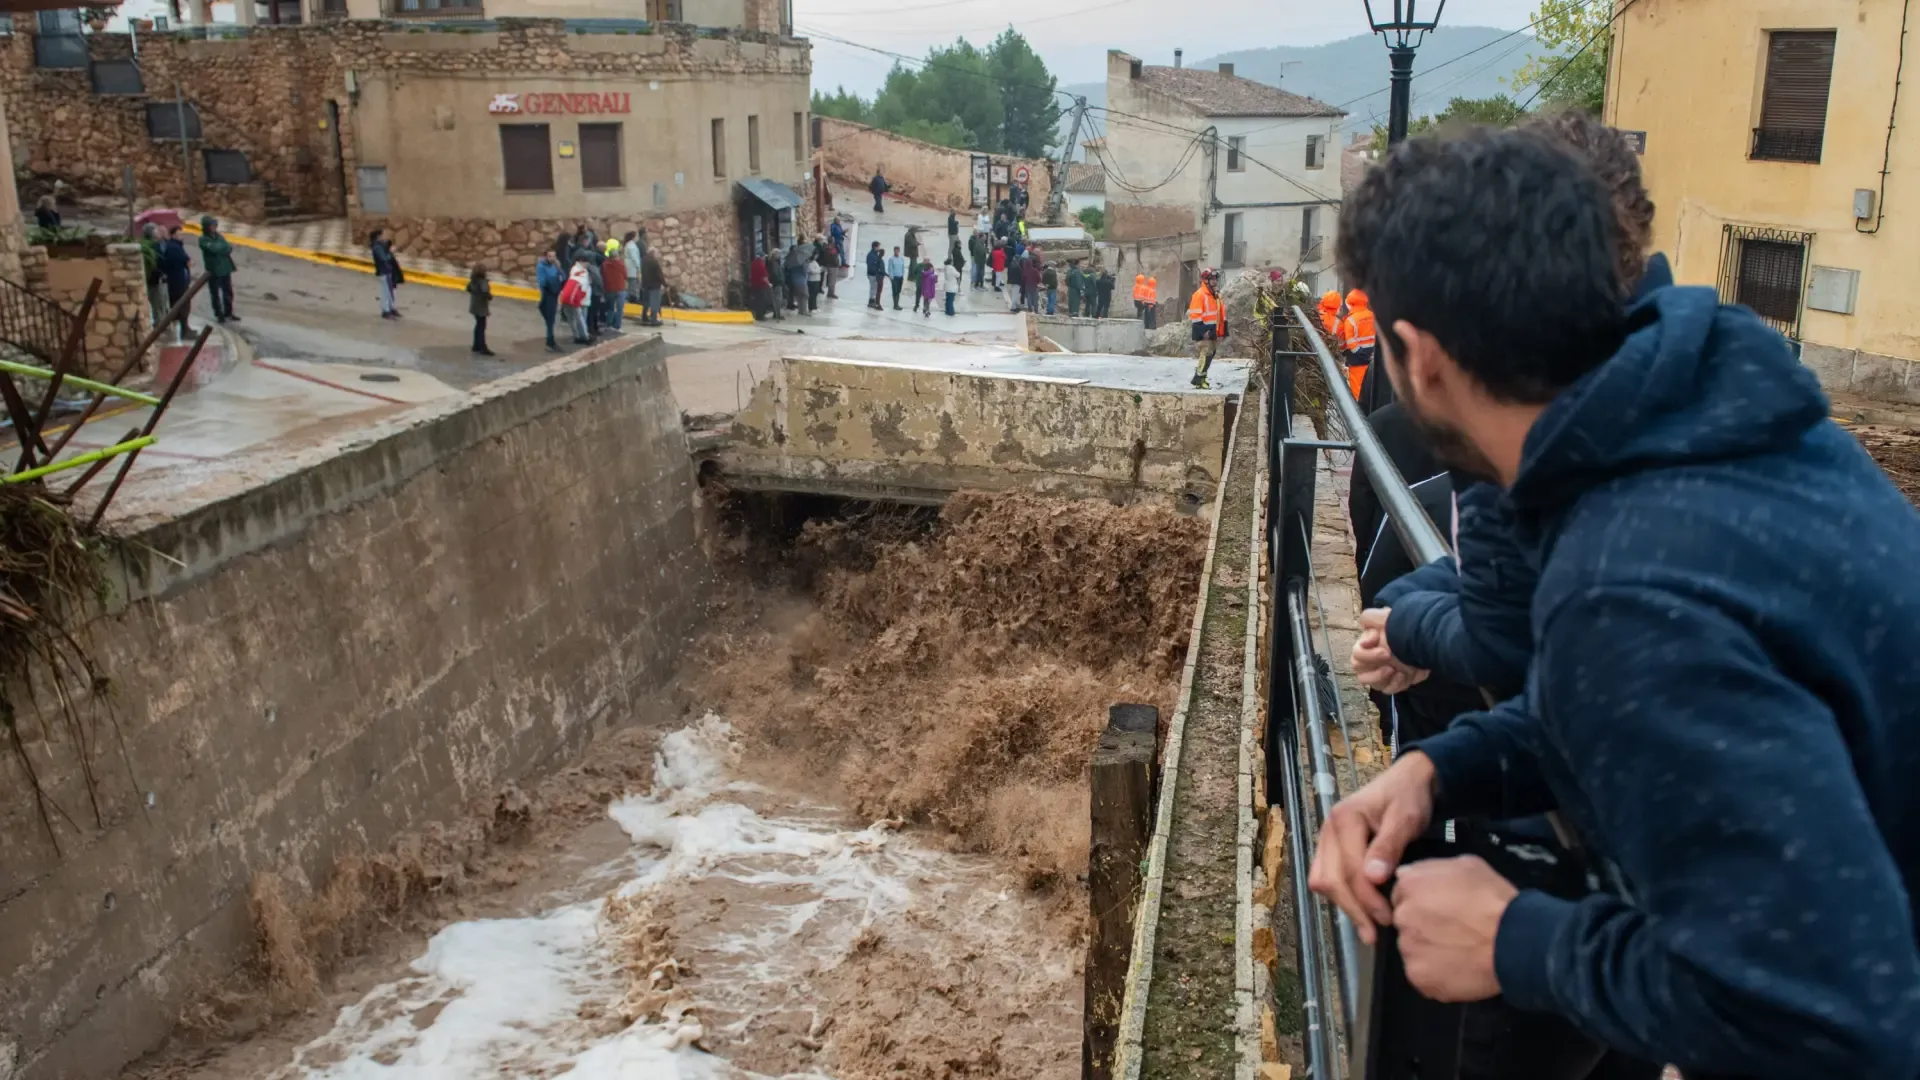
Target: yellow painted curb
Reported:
[(443, 281)]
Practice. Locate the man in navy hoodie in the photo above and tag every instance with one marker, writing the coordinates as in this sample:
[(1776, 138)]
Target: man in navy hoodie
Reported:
[(1722, 703)]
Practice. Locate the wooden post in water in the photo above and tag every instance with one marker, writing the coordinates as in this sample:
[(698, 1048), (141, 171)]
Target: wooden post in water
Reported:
[(1123, 766)]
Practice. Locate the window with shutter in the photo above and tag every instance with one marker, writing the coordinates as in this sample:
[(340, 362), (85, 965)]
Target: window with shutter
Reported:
[(227, 167), (526, 157), (1236, 153), (599, 156), (1766, 269), (1793, 100)]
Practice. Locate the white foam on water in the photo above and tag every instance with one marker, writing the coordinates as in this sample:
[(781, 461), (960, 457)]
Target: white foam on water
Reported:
[(516, 997)]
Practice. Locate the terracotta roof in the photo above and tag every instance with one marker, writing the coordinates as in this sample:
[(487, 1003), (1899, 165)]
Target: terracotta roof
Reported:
[(1214, 94), (1086, 178)]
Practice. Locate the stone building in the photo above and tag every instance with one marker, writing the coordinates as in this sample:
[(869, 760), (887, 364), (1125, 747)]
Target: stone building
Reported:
[(473, 140), (1251, 169)]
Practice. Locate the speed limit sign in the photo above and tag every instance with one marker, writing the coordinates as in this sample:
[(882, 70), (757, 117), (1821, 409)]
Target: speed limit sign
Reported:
[(1020, 174)]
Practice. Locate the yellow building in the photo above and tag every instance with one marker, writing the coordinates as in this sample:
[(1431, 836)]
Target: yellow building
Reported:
[(1783, 170)]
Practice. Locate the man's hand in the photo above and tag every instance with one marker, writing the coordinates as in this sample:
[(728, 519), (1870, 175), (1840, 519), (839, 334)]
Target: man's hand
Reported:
[(1448, 913), (1374, 664), (1364, 837)]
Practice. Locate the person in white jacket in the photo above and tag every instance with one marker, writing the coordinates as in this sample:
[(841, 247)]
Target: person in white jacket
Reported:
[(577, 312), (949, 282), (632, 249)]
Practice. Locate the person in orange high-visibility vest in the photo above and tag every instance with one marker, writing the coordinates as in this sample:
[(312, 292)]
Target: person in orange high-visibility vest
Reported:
[(1140, 296), (1357, 334), (1208, 318), (1152, 302), (1330, 314)]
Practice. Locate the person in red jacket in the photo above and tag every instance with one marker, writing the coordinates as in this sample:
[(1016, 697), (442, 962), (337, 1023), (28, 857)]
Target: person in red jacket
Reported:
[(613, 274), (760, 288), (999, 264)]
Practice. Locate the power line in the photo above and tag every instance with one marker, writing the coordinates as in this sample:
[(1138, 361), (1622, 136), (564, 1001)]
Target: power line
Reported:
[(1606, 29), (1470, 52)]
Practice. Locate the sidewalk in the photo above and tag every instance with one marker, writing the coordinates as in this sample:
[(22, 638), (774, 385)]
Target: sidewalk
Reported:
[(331, 243)]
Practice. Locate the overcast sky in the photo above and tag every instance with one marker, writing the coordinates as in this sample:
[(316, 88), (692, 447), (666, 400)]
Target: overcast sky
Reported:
[(1073, 36)]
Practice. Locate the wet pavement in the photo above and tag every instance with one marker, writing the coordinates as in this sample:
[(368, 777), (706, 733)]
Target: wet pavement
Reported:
[(323, 360)]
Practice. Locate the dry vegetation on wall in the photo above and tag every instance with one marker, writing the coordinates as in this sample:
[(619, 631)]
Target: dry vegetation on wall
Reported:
[(959, 675), (50, 577)]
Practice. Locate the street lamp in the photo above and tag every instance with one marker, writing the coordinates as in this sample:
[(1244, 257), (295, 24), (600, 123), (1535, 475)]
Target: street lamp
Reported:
[(1403, 33)]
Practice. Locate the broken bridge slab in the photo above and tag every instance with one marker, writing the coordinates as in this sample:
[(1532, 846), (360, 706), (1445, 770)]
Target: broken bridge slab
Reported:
[(916, 421)]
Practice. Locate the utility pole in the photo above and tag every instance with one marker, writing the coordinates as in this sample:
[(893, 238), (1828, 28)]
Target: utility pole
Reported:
[(1057, 195), (186, 155)]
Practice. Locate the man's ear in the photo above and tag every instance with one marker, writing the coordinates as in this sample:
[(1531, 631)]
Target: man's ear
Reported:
[(1422, 358)]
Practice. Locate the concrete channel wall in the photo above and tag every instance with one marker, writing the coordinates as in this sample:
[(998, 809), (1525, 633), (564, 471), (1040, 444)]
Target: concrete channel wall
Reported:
[(1122, 336), (361, 639)]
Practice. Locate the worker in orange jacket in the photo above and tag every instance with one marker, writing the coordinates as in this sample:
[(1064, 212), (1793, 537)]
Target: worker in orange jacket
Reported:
[(1358, 335), (1140, 296), (1152, 304), (1330, 314), (1208, 318)]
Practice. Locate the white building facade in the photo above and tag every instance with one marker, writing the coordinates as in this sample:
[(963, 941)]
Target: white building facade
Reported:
[(1248, 173)]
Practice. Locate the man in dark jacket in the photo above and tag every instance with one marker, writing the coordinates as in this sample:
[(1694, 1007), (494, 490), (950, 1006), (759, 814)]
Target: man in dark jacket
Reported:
[(177, 267), (216, 254), (879, 187), (1722, 704), (386, 271), (1103, 294), (653, 284), (876, 275), (794, 272)]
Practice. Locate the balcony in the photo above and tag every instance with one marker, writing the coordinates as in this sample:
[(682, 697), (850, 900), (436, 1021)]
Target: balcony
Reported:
[(1312, 248), (1788, 144), (1233, 254)]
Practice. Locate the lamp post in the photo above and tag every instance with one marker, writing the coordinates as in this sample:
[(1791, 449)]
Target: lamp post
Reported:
[(1403, 33)]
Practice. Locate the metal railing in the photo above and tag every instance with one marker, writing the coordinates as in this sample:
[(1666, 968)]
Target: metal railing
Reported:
[(1375, 1004), (1788, 144), (36, 325)]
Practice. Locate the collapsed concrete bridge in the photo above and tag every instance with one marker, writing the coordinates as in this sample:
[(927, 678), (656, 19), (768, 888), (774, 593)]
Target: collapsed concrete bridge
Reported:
[(916, 421)]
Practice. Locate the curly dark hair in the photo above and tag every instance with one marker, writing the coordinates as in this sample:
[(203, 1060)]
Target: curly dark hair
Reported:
[(1498, 243), (1612, 159)]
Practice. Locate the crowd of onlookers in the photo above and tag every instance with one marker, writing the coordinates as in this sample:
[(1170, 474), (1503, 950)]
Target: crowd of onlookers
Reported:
[(585, 285), (1002, 256)]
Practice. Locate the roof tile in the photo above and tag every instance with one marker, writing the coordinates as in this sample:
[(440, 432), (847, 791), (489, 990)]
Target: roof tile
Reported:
[(1215, 94)]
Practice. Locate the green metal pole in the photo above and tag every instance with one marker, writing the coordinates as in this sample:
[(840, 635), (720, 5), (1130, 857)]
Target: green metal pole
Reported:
[(87, 458), (85, 384)]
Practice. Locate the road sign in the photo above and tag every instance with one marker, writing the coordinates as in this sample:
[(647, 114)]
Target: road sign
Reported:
[(1020, 174)]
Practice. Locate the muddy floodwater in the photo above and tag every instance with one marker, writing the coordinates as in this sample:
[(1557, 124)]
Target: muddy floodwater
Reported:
[(746, 932)]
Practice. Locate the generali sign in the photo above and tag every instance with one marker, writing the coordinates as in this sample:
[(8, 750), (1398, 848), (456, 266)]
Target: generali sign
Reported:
[(551, 104)]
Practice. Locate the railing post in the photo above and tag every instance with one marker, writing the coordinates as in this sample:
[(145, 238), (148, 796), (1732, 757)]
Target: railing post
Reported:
[(1122, 812)]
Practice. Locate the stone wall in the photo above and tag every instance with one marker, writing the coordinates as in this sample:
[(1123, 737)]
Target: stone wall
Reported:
[(1129, 221), (122, 318), (1890, 379), (920, 172), (697, 247), (280, 96), (485, 582)]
